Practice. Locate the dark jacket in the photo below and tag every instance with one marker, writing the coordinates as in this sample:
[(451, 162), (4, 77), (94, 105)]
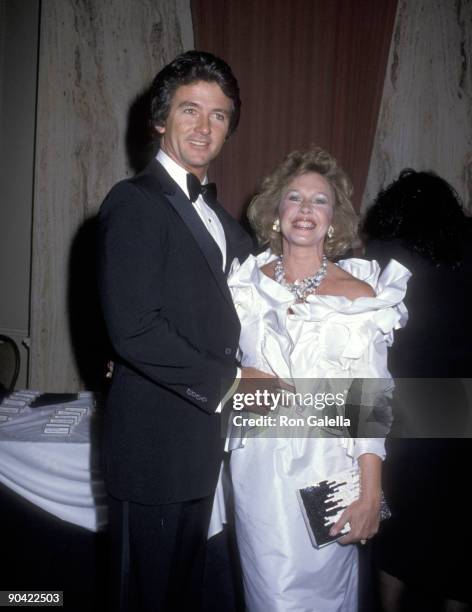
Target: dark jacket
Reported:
[(172, 323)]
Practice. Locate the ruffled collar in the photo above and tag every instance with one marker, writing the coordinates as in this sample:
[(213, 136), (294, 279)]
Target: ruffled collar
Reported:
[(389, 286)]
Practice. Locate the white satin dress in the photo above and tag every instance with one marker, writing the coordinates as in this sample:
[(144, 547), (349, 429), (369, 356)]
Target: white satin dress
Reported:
[(326, 337)]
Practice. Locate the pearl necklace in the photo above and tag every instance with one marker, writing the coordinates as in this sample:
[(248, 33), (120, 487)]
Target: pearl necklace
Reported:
[(301, 288)]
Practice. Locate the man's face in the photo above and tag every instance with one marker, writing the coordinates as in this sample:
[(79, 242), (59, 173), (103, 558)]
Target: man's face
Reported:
[(197, 125)]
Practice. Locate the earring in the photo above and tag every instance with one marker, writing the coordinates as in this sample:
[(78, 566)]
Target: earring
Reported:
[(330, 231), (276, 225)]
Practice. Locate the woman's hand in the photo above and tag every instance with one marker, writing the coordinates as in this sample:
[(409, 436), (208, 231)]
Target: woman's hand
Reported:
[(363, 514)]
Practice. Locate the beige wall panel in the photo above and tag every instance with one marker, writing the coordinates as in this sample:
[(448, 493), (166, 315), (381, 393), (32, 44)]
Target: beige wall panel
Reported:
[(96, 56), (425, 120)]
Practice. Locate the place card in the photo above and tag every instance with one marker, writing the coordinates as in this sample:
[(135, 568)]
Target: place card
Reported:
[(51, 428), (76, 409), (9, 409), (64, 420), (9, 401), (25, 395), (71, 415)]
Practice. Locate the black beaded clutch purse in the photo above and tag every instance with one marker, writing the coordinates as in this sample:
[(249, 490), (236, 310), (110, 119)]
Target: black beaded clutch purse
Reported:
[(323, 502)]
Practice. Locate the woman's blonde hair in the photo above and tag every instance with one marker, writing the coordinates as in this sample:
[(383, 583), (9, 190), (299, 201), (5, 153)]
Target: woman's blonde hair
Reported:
[(263, 209)]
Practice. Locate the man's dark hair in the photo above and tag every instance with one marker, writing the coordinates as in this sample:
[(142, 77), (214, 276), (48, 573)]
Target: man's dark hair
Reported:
[(186, 69)]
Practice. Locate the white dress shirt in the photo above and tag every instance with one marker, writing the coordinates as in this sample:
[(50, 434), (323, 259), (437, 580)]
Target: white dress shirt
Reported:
[(210, 221), (206, 214)]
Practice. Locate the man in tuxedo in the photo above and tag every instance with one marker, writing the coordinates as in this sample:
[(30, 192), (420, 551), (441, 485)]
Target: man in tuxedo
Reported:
[(165, 248)]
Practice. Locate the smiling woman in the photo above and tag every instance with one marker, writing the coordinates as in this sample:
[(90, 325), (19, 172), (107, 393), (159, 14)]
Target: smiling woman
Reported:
[(334, 186), (308, 320), (306, 211), (305, 214)]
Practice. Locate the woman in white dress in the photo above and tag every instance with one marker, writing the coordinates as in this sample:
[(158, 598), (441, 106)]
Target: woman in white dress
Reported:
[(304, 317)]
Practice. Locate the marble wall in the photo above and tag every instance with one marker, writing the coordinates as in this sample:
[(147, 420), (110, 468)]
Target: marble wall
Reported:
[(425, 120), (96, 57)]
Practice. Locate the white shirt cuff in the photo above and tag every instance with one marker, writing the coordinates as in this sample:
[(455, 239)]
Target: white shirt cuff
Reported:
[(230, 392)]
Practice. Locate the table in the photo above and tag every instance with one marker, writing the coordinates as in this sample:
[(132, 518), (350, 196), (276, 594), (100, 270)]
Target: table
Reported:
[(52, 501), (58, 472)]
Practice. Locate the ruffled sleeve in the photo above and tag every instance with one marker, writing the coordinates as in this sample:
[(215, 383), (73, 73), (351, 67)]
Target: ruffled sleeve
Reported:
[(242, 282), (335, 336), (261, 305)]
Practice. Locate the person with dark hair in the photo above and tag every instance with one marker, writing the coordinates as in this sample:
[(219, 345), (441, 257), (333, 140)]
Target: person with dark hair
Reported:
[(423, 550), (166, 245), (189, 68)]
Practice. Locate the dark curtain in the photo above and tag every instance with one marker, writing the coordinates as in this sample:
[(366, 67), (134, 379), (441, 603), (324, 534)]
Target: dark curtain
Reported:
[(310, 72)]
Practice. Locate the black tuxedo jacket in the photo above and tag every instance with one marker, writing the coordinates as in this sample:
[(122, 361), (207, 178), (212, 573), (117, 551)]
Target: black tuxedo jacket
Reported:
[(175, 331)]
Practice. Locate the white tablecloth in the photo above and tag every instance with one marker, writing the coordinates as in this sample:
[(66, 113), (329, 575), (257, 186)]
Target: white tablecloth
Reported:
[(58, 473)]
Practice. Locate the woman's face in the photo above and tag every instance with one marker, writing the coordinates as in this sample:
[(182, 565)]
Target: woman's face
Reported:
[(306, 210)]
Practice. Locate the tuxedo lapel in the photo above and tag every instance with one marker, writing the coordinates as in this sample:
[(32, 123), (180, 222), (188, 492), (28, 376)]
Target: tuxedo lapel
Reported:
[(237, 241), (184, 208)]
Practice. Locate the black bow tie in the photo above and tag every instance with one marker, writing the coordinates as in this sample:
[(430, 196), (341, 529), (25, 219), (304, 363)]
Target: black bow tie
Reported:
[(195, 188)]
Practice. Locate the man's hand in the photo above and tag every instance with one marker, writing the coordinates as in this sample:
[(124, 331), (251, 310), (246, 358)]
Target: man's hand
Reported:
[(110, 368), (253, 380)]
